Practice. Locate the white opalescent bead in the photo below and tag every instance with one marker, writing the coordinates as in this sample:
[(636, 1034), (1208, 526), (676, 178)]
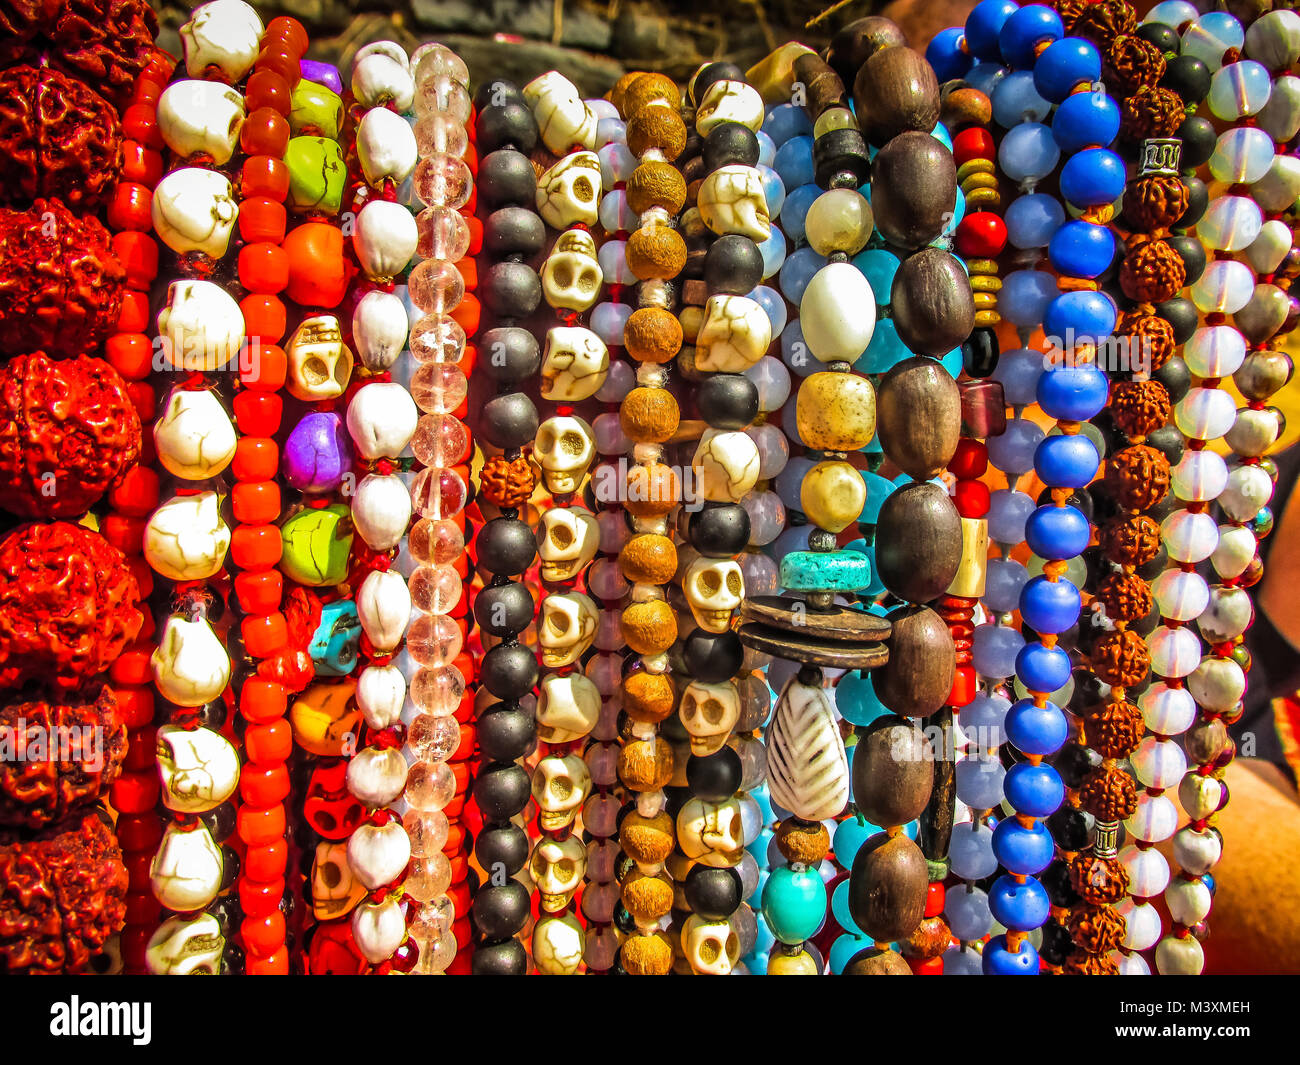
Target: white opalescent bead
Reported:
[(1158, 763), (1189, 536), (1148, 872), (1181, 595), (1174, 652), (1205, 413), (1199, 476), (1142, 923), (1155, 817), (1215, 351), (1167, 711), (1224, 288)]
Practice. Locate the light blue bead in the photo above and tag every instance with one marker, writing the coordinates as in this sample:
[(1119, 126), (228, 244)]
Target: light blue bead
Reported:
[(794, 161), (1008, 511), (785, 121), (995, 648), (1028, 153), (835, 571), (612, 257), (1018, 371), (1032, 219), (794, 904), (952, 363), (790, 479), (967, 911), (971, 851), (984, 77), (979, 782), (1025, 297), (794, 351), (1015, 100), (617, 161), (958, 962), (795, 210), (773, 189), (766, 149), (941, 134), (855, 696), (884, 351), (878, 266), (773, 305), (840, 907), (982, 719), (849, 836), (799, 269), (608, 320), (878, 490), (843, 951), (1013, 451)]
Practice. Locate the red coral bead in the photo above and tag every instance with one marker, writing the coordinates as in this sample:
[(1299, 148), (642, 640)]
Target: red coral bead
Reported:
[(130, 354), (982, 235), (971, 459), (257, 826), (971, 499), (266, 88), (256, 547), (263, 267), (264, 175), (256, 459), (138, 254), (963, 687), (140, 123), (138, 494), (258, 413), (131, 207), (318, 275), (141, 163), (264, 132), (262, 701), (257, 898), (262, 219), (135, 792), (269, 742), (256, 503), (259, 593), (265, 317), (263, 935), (267, 861), (133, 317), (974, 142), (266, 636), (264, 367)]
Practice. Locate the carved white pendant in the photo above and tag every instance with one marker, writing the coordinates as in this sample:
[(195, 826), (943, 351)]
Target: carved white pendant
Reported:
[(807, 769)]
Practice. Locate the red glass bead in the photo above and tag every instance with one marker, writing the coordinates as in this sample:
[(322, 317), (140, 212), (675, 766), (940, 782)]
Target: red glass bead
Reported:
[(256, 459), (934, 899), (266, 636), (963, 687), (144, 400), (468, 270), (257, 898), (140, 123), (263, 935), (140, 163), (266, 88), (468, 313), (130, 354), (269, 742), (258, 413), (258, 826), (255, 547), (134, 314), (318, 274), (291, 30), (138, 254), (263, 267), (138, 832), (279, 60), (475, 236), (262, 219), (262, 701), (131, 668), (971, 499), (135, 706), (130, 207), (256, 503), (141, 752), (123, 532), (974, 142), (982, 235), (273, 964), (143, 908), (265, 317), (928, 967), (264, 175), (259, 593), (264, 367), (147, 91), (264, 785), (971, 459), (266, 862), (135, 792), (264, 132)]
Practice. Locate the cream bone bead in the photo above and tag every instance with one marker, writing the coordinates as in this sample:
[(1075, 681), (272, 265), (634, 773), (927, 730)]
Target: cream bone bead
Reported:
[(726, 465), (808, 769), (186, 946), (558, 945), (568, 708), (1217, 684), (384, 237), (379, 79), (378, 929), (384, 606), (731, 200), (571, 275), (190, 665), (186, 870), (729, 101), (712, 833), (194, 209), (386, 147), (709, 712), (377, 775), (185, 539), (379, 329), (712, 948), (563, 118), (1188, 901), (566, 628), (714, 588), (564, 447), (392, 49), (557, 867), (382, 418), (837, 313), (735, 333), (1267, 251), (199, 769), (1199, 796), (560, 785), (1253, 433), (1180, 957), (381, 694), (225, 34), (567, 539), (1236, 548), (201, 327), (1197, 852), (194, 437), (320, 364), (569, 192), (575, 364), (381, 510), (1248, 489), (201, 118), (378, 854)]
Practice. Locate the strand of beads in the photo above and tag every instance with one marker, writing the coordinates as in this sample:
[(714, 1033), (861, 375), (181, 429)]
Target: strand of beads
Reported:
[(135, 793), (575, 364), (438, 735), (510, 290), (186, 539)]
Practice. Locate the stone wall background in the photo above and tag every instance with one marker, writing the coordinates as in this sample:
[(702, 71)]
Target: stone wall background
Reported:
[(593, 42)]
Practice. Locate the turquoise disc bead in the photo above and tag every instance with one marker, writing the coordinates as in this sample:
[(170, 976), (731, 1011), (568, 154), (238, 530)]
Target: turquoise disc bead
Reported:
[(829, 571)]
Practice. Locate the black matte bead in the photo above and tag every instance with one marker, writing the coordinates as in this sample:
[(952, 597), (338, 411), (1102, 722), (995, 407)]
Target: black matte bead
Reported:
[(1056, 945), (513, 231), (1169, 440), (1181, 313), (979, 353), (506, 177), (1056, 881), (713, 657), (1187, 76), (729, 143), (509, 421), (840, 151), (501, 790), (733, 264), (1071, 827), (1198, 199), (1192, 252), (510, 289), (1165, 38), (713, 72), (507, 958), (713, 894), (1199, 138), (509, 126), (503, 845), (509, 354), (727, 401), (500, 911), (504, 609), (715, 777), (1176, 378), (497, 93), (1151, 570), (509, 671), (506, 732), (507, 546), (720, 530)]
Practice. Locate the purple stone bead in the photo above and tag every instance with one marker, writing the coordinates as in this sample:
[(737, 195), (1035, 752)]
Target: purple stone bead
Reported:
[(322, 74), (317, 454)]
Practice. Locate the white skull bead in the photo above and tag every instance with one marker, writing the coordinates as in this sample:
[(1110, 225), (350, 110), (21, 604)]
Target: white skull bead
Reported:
[(729, 101), (714, 588), (575, 365), (709, 712), (566, 628), (731, 200), (186, 870), (199, 769), (558, 944), (567, 539), (190, 665), (564, 446), (186, 539), (726, 465), (734, 334), (186, 946), (225, 34), (563, 117), (569, 192), (320, 364), (194, 209), (711, 947), (711, 833), (201, 118), (201, 328), (557, 866), (560, 786), (571, 275), (568, 708)]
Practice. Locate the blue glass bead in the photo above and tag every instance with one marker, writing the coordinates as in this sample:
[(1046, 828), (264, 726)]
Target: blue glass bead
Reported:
[(1028, 152), (1025, 30), (945, 54), (1035, 790), (1037, 729), (1066, 461), (952, 362), (971, 851), (1022, 850), (941, 134), (1018, 372), (979, 782), (1020, 907), (1015, 100), (337, 640), (835, 571), (770, 300), (794, 162), (1049, 607), (950, 227), (967, 910), (1057, 532), (773, 190), (1081, 249), (792, 539), (1211, 885), (1073, 393), (878, 267), (794, 903), (983, 718), (984, 77), (997, 960), (1013, 451), (1008, 511), (994, 649), (843, 950), (849, 836), (1025, 297), (1092, 178), (884, 351), (1085, 120), (799, 269), (773, 252), (790, 479), (878, 490), (794, 351), (764, 943), (1065, 64), (1043, 669), (840, 907), (785, 121), (983, 25), (855, 698), (1002, 590), (1032, 219), (766, 148), (795, 210), (1073, 317)]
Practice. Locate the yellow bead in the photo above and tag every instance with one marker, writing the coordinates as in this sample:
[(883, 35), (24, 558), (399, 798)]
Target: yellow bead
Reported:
[(801, 964), (832, 495), (974, 565), (836, 412)]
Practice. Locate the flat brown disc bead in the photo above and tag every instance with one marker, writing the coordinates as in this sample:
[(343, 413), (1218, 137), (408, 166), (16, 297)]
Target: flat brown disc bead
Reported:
[(656, 184), (933, 307), (833, 622), (876, 962), (918, 542), (919, 675), (918, 415), (649, 559), (649, 628), (888, 887), (893, 773), (895, 91), (809, 649), (649, 415), (652, 334), (648, 697), (913, 189)]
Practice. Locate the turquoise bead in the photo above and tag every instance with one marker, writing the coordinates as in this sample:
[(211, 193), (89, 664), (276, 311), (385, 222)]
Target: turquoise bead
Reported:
[(794, 903), (849, 836), (855, 696), (843, 950), (885, 351), (829, 571), (878, 490), (337, 639), (840, 909)]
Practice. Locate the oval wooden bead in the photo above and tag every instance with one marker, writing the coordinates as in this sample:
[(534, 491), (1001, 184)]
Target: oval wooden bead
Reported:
[(933, 308), (917, 679), (887, 887), (895, 92), (892, 771), (918, 542), (876, 962), (913, 189), (856, 42), (918, 417), (1264, 315)]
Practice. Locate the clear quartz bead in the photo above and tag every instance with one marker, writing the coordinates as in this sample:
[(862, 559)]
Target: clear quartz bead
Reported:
[(435, 287), (433, 738), (430, 785), (1158, 763), (435, 589), (427, 831), (437, 60), (436, 541), (443, 180), (439, 133), (441, 439), (1189, 536), (437, 338), (1199, 477), (427, 878), (443, 234), (438, 388)]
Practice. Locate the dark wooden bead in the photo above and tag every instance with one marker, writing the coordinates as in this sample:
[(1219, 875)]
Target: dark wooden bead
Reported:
[(918, 677), (832, 622), (887, 887), (895, 91), (918, 417), (804, 647), (876, 962), (891, 771), (857, 42), (841, 152), (935, 829), (913, 189), (934, 310), (918, 542), (823, 88)]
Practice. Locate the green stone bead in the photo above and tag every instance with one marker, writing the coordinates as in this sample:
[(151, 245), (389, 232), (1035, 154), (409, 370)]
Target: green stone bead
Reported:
[(316, 545), (316, 174), (315, 109), (825, 571)]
